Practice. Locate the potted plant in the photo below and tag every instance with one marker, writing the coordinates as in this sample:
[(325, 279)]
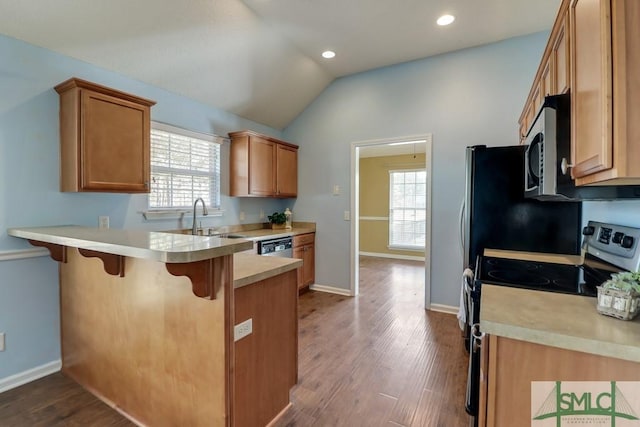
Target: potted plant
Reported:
[(620, 296), (277, 220)]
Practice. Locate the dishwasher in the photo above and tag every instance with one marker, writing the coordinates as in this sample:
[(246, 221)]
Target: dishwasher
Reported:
[(282, 247)]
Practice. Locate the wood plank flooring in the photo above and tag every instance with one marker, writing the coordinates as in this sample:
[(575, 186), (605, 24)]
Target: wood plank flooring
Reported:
[(376, 360)]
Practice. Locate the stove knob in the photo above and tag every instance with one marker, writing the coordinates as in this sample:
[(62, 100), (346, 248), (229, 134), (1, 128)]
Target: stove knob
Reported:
[(588, 230), (617, 237), (627, 242)]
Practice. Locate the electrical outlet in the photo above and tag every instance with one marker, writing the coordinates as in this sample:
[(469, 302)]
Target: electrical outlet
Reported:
[(347, 215), (336, 190), (243, 329), (1, 341), (261, 214), (103, 222), (242, 216)]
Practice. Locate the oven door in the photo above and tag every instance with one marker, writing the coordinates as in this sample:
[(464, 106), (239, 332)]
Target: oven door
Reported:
[(473, 374)]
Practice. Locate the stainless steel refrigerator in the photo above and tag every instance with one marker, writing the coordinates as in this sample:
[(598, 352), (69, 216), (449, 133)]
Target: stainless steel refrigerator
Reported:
[(496, 215)]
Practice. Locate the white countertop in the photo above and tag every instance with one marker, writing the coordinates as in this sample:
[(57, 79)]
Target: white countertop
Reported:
[(153, 245), (250, 268), (558, 320)]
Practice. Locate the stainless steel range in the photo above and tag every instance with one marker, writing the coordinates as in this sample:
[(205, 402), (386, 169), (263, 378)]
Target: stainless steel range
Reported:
[(607, 249)]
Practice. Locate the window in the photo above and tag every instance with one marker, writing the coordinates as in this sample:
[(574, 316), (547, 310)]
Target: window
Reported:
[(185, 165), (407, 209)]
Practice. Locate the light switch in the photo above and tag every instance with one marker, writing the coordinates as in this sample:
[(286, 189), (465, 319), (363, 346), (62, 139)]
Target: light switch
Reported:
[(336, 190), (103, 222), (347, 215)]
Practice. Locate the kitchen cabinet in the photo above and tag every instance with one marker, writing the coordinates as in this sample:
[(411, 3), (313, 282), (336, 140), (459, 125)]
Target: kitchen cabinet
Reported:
[(560, 58), (266, 360), (262, 166), (605, 133), (104, 139), (552, 77), (304, 249), (509, 366)]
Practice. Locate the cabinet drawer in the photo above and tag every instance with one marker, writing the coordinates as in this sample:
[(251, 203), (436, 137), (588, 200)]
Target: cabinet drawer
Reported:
[(304, 239)]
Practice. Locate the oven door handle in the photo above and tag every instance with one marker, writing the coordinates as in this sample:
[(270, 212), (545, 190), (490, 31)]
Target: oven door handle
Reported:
[(476, 337)]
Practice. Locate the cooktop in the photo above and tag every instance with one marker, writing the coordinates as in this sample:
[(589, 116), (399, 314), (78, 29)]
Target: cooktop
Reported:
[(607, 249), (543, 276)]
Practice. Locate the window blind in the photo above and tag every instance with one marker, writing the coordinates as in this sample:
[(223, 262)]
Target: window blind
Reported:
[(185, 165)]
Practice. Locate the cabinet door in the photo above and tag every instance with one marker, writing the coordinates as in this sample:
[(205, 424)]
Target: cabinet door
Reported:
[(561, 59), (546, 82), (262, 162), (115, 138), (591, 86), (286, 171), (298, 253), (309, 259)]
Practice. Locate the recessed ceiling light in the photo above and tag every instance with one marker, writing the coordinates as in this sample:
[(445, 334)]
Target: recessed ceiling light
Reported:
[(445, 20), (328, 54)]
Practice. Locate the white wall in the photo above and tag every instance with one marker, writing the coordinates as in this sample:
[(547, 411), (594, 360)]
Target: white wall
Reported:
[(469, 97)]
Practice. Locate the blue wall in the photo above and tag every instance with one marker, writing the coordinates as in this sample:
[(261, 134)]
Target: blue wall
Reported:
[(468, 97), (29, 195), (473, 96)]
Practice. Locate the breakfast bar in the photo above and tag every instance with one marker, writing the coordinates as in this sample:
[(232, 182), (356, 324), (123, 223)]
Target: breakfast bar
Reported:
[(147, 324)]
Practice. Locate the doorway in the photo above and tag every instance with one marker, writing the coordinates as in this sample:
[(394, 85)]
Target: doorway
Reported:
[(395, 155)]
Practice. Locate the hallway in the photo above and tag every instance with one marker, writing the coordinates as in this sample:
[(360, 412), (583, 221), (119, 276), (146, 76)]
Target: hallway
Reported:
[(379, 359)]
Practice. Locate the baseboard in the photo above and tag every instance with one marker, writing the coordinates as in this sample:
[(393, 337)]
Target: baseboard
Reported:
[(21, 378), (331, 290), (444, 308), (393, 256)]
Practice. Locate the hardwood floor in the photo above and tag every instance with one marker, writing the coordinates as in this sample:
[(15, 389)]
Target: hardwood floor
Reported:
[(379, 359), (376, 360)]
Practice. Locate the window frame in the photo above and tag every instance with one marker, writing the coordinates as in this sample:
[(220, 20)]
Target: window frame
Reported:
[(406, 247)]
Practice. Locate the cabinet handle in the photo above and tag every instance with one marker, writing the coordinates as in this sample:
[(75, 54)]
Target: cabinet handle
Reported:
[(565, 165)]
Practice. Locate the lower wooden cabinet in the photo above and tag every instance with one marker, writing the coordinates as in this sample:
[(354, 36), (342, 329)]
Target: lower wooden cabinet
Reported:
[(265, 361), (304, 249), (509, 366)]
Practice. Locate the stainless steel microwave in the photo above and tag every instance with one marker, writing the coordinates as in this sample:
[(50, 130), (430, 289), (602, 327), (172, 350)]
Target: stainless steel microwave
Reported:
[(548, 156), (548, 149)]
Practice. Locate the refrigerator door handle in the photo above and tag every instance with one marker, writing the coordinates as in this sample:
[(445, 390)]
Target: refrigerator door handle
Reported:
[(461, 228)]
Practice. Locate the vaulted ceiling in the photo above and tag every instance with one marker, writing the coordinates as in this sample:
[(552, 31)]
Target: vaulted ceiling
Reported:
[(260, 59)]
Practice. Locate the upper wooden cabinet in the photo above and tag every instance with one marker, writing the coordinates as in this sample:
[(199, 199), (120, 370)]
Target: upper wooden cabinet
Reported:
[(560, 55), (605, 102), (104, 139), (552, 77), (262, 166)]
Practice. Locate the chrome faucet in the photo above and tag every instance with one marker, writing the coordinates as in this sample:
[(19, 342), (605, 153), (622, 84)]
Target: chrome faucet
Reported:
[(194, 229)]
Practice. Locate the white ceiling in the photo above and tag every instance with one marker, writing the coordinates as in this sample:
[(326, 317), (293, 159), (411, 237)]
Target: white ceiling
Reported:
[(260, 59)]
